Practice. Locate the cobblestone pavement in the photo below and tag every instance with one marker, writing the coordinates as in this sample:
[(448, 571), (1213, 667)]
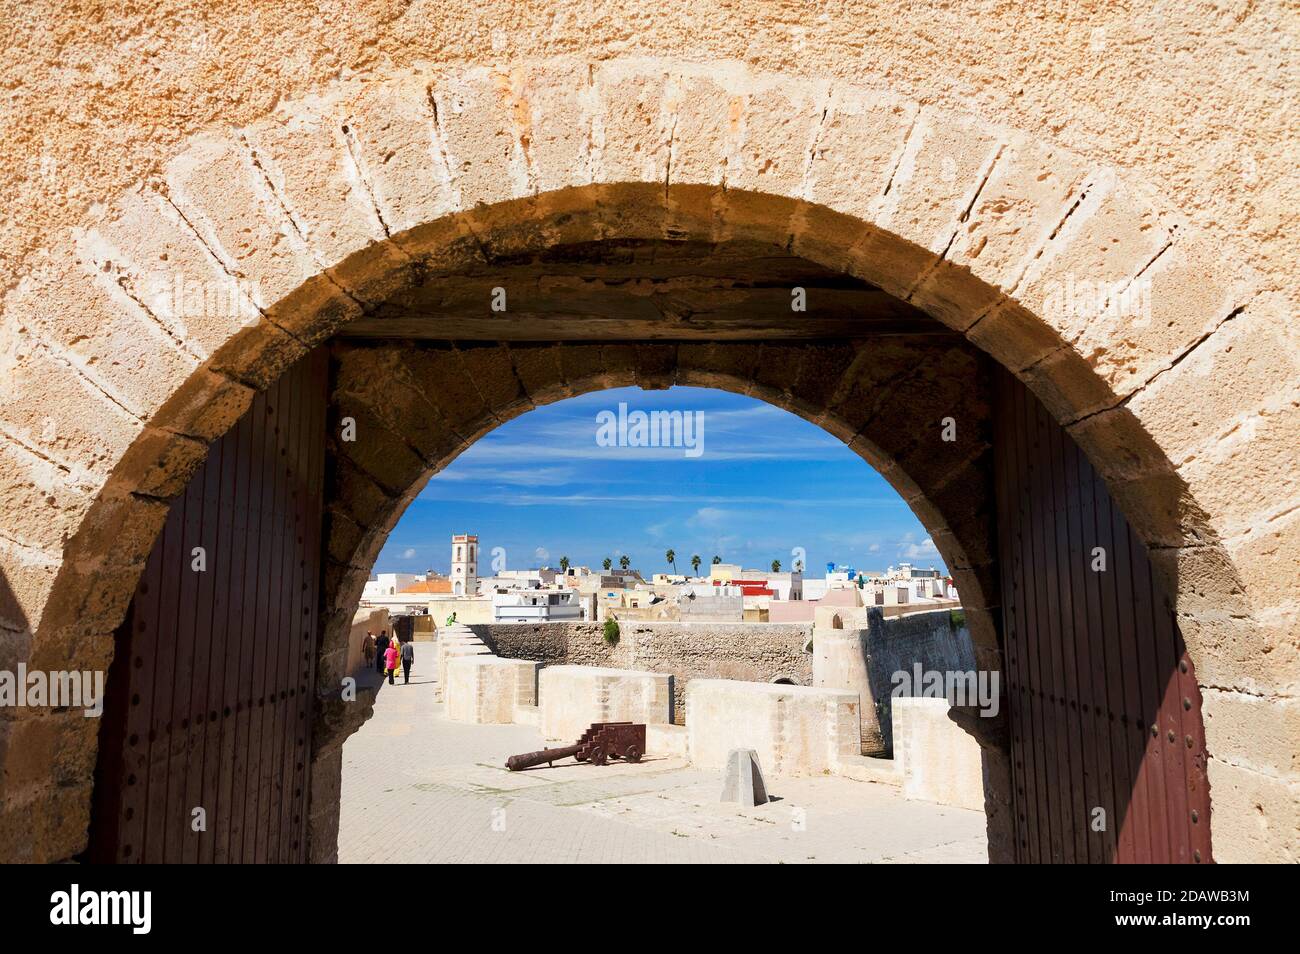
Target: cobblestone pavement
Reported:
[(418, 788)]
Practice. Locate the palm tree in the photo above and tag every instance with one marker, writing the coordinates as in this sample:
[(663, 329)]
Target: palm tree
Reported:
[(695, 564), (798, 566), (671, 557), (625, 561), (608, 564), (776, 566), (717, 560), (564, 564)]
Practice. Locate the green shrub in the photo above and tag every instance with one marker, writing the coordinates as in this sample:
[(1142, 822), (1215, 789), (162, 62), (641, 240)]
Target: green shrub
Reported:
[(611, 631), (957, 618)]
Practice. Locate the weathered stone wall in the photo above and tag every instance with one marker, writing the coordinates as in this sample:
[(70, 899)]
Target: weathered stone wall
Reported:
[(976, 160), (865, 656), (753, 652), (1068, 74), (935, 640)]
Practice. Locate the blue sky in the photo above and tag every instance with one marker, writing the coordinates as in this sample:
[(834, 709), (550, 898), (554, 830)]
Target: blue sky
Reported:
[(765, 482)]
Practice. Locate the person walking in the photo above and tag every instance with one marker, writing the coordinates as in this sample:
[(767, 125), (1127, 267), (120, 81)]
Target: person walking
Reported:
[(368, 648), (408, 660), (392, 656), (381, 646)]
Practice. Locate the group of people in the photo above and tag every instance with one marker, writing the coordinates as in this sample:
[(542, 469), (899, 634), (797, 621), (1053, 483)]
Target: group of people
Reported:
[(386, 653)]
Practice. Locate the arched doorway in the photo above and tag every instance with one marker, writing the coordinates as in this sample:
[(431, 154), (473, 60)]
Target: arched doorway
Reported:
[(319, 214), (400, 399)]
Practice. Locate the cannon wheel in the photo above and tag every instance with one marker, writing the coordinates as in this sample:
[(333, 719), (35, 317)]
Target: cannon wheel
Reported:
[(581, 756), (632, 753), (597, 755)]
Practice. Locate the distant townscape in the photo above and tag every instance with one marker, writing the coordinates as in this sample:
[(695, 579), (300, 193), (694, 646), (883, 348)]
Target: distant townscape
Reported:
[(727, 592)]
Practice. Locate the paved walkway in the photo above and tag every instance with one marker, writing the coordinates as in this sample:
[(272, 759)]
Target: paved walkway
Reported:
[(417, 788)]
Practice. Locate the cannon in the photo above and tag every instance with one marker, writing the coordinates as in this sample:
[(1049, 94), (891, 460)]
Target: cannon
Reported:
[(601, 742)]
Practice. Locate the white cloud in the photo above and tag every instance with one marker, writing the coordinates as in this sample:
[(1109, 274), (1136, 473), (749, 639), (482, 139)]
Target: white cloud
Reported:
[(438, 491), (710, 517), (922, 550), (408, 553), (524, 477), (567, 449)]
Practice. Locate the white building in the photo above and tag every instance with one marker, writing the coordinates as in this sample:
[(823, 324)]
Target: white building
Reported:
[(786, 586), (388, 584), (814, 589), (536, 606)]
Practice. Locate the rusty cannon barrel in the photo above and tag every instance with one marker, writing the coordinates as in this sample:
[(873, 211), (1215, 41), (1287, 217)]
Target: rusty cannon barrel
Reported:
[(517, 762)]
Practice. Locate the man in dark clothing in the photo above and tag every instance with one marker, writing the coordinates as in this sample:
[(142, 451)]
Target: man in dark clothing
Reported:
[(408, 661), (380, 645)]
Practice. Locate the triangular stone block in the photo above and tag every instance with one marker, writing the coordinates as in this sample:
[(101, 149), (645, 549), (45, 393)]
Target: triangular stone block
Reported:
[(744, 779)]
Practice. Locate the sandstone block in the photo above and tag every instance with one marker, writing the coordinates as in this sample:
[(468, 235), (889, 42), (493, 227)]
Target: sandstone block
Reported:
[(1247, 478), (42, 504), (1255, 732), (1255, 817), (478, 113), (227, 199), (129, 357), (938, 176), (396, 131), (1243, 367), (858, 147), (49, 407), (1109, 239), (1027, 194), (305, 154), (559, 102), (154, 255), (632, 129)]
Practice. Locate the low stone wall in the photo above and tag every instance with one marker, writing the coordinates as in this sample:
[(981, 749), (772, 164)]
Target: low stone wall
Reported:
[(488, 689), (571, 698), (938, 760), (865, 661), (938, 640), (456, 640), (753, 652), (667, 741), (795, 730)]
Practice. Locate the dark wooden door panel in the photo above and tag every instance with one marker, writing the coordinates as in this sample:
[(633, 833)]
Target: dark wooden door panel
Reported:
[(209, 701), (1104, 708)]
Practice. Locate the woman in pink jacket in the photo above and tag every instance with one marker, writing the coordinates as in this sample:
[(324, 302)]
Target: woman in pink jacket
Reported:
[(392, 659)]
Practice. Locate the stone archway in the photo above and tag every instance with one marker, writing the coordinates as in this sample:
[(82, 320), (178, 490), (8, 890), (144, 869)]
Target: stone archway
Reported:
[(312, 219)]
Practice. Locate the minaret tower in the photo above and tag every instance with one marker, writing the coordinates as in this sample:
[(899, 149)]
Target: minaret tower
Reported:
[(464, 564)]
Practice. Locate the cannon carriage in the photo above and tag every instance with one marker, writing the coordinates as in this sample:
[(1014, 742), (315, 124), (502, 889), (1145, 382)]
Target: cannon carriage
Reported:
[(601, 742)]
